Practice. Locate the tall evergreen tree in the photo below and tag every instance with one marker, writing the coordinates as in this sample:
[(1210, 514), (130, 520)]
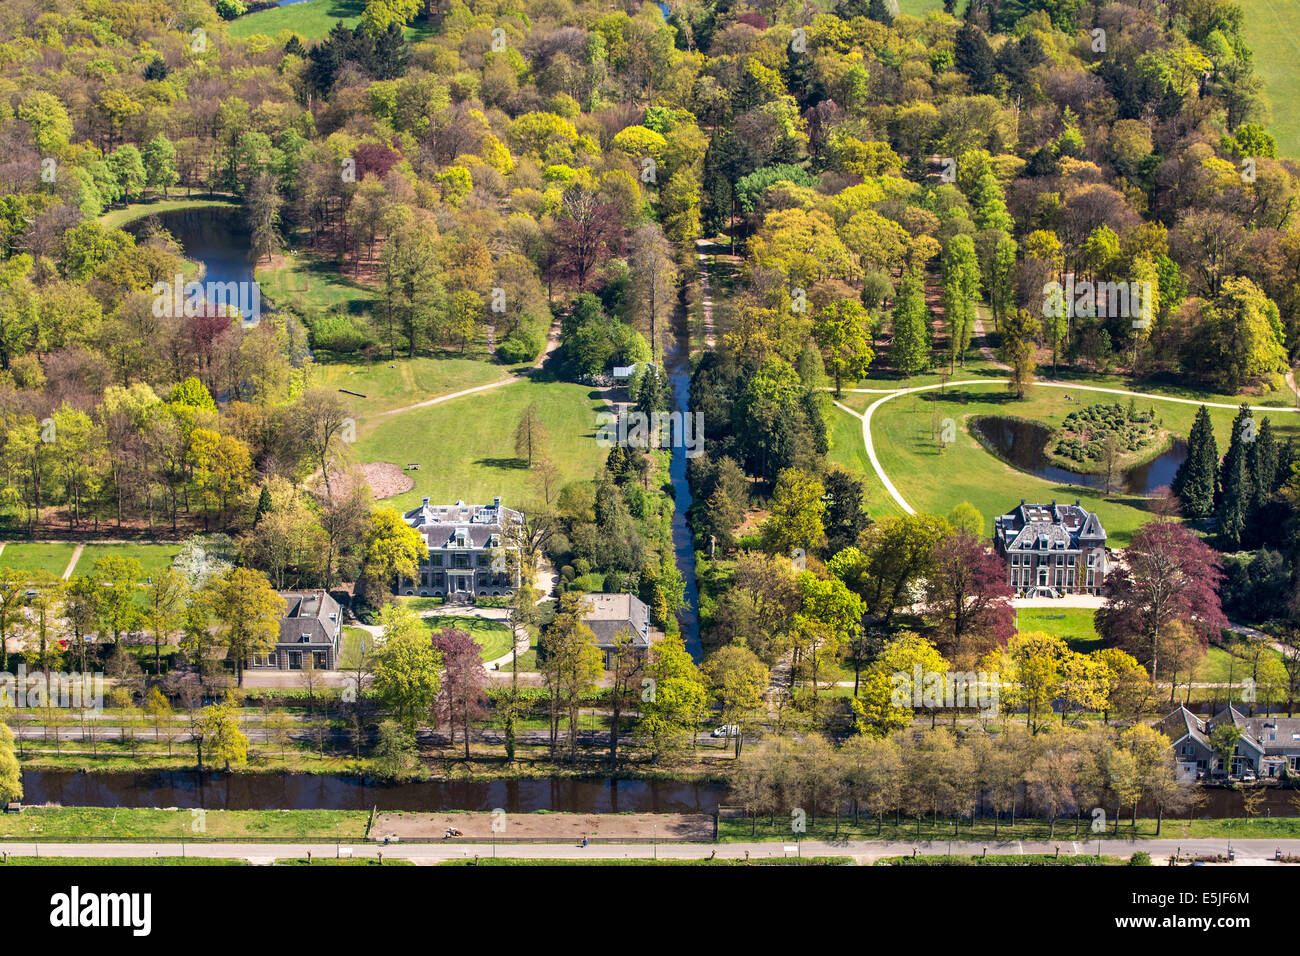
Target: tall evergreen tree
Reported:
[(1235, 491), (974, 56), (1262, 461), (1195, 481)]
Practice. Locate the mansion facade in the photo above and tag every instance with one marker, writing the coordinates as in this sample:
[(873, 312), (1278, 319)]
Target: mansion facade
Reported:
[(1052, 549), (468, 554)]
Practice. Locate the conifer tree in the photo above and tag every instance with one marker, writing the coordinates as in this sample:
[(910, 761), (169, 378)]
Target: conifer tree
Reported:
[(1235, 490), (1261, 462), (1196, 478)]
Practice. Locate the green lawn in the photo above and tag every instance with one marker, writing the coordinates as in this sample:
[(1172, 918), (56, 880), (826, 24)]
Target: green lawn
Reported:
[(403, 381), (492, 637), (311, 284), (311, 20), (1071, 624), (935, 479), (651, 861), (352, 637), (918, 8), (418, 604), (1007, 859), (123, 861), (117, 218), (152, 557), (824, 826), (1272, 30), (74, 823), (465, 447), (34, 556)]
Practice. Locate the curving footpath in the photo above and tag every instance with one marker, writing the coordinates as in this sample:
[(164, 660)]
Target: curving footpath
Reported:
[(871, 409)]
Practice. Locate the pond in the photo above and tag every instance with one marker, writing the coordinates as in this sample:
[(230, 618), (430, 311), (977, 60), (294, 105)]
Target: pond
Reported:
[(301, 791), (1023, 444), (219, 240)]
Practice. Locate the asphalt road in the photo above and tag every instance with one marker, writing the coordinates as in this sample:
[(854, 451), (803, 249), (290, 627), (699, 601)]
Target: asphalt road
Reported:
[(1248, 852)]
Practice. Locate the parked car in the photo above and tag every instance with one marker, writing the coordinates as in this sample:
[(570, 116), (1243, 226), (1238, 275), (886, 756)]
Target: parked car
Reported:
[(726, 730)]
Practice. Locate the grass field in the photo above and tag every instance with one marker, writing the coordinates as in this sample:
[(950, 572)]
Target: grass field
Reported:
[(352, 638), (642, 861), (54, 558), (311, 20), (152, 557), (492, 637), (934, 479), (117, 218), (106, 823), (123, 861), (403, 381), (465, 447), (311, 285), (1272, 30), (1072, 624), (35, 556)]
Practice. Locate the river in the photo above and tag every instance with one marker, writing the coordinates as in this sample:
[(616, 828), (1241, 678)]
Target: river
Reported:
[(678, 363), (301, 791)]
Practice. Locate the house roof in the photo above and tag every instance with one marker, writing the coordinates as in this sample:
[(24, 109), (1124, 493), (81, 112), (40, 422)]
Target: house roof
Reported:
[(1066, 527), (440, 523), (1270, 736), (608, 614), (1183, 723), (309, 612)]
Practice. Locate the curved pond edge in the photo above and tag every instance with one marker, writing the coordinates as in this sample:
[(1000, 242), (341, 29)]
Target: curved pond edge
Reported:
[(1054, 461)]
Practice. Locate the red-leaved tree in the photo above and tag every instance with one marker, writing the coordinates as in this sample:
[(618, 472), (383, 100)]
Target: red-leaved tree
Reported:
[(1168, 574), (583, 237), (967, 595), (461, 700)]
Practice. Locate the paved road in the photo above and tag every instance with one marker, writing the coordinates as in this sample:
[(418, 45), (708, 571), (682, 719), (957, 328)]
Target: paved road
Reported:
[(1248, 852)]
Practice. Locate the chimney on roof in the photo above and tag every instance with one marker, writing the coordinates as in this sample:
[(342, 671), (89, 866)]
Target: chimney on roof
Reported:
[(1022, 502), (497, 501), (426, 501), (1076, 502)]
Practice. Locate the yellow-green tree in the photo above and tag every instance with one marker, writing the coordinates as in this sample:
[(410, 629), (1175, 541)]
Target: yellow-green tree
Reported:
[(248, 613), (219, 734), (393, 550), (407, 667)]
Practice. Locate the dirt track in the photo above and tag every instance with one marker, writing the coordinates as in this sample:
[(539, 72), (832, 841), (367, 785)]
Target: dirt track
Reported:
[(547, 826)]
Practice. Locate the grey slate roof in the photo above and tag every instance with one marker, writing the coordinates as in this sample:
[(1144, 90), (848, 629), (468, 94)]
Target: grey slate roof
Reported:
[(1270, 736), (1183, 723), (309, 612), (1066, 527), (607, 614), (439, 523)]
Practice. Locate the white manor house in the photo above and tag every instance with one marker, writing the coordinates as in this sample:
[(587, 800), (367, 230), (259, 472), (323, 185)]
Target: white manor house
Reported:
[(468, 551)]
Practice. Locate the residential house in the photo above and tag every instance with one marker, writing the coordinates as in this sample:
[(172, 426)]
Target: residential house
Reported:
[(1052, 549), (609, 615), (468, 553), (1267, 745), (311, 634)]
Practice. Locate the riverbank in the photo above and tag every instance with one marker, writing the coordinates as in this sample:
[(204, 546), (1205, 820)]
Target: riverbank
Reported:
[(117, 218)]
